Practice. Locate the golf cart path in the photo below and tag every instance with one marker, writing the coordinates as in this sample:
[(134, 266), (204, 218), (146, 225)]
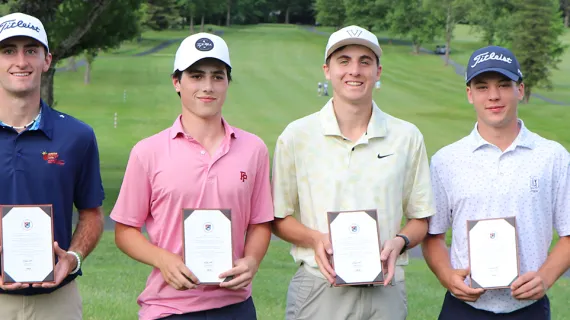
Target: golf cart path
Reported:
[(459, 69)]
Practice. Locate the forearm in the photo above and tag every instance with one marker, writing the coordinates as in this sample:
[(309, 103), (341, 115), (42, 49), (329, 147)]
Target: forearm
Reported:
[(257, 241), (88, 231), (415, 230), (133, 243), (436, 256), (292, 231), (557, 263)]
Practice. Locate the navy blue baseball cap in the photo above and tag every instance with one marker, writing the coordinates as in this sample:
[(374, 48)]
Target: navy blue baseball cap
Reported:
[(493, 59)]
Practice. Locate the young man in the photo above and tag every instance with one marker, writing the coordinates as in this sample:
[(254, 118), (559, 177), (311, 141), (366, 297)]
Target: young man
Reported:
[(501, 169), (199, 162), (48, 157), (350, 155)]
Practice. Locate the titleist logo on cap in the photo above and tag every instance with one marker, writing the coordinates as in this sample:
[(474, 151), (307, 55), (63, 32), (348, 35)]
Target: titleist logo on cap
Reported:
[(9, 24), (492, 56)]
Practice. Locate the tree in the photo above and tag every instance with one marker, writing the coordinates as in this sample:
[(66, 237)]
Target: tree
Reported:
[(74, 26), (492, 18), (161, 14), (565, 8), (537, 26), (363, 13), (330, 12), (451, 11), (89, 55), (411, 18)]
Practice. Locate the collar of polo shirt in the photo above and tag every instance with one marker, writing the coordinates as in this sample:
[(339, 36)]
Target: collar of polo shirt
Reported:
[(377, 126), (177, 128), (523, 139)]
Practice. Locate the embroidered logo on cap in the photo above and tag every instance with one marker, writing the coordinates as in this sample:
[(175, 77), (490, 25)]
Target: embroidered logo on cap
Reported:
[(9, 24), (354, 33), (204, 44)]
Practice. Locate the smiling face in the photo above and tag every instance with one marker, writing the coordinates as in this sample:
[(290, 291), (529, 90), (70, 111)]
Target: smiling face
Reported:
[(495, 99), (22, 62), (353, 71), (203, 88)]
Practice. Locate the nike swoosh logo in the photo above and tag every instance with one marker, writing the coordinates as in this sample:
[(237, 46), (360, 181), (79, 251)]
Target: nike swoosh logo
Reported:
[(380, 157)]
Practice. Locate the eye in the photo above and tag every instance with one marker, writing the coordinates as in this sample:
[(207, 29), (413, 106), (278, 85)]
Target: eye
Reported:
[(8, 51), (196, 76), (366, 62), (344, 62), (31, 51), (481, 87)]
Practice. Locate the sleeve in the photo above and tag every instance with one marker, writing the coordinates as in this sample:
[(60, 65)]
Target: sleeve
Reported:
[(562, 197), (441, 221), (284, 180), (261, 202), (88, 189), (418, 200), (133, 203)]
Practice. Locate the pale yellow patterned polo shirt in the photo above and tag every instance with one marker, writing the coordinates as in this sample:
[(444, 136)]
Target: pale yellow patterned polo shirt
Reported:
[(317, 170)]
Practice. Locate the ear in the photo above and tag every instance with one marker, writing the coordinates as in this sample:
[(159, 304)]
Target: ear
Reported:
[(176, 83), (469, 95), (520, 90), (379, 72), (326, 70), (47, 62)]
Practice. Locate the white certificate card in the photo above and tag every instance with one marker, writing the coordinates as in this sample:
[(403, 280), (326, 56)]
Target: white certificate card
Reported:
[(27, 244), (208, 243), (493, 253), (356, 247)]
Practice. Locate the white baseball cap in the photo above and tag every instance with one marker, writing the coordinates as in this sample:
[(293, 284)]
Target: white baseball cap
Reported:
[(19, 24), (199, 46), (353, 35)]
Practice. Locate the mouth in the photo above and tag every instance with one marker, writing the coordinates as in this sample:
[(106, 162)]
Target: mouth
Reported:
[(495, 108), (207, 99), (20, 74), (354, 83)]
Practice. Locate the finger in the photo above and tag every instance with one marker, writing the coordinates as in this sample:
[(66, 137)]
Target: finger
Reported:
[(323, 270), (237, 281), (237, 270), (59, 251), (385, 253), (528, 289), (183, 281), (391, 268), (328, 246), (466, 290), (325, 262), (187, 274), (14, 286), (463, 273), (525, 287), (520, 281)]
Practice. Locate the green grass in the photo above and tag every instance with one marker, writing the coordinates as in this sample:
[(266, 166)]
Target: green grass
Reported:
[(112, 282)]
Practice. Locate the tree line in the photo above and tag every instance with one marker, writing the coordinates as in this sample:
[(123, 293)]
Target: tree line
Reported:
[(531, 28)]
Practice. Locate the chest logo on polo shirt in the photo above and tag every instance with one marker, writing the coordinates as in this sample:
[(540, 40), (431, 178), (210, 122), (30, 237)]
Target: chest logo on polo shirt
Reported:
[(52, 158), (243, 176), (534, 184)]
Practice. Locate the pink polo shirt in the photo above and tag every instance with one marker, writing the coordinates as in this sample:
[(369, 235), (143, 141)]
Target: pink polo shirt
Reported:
[(170, 171)]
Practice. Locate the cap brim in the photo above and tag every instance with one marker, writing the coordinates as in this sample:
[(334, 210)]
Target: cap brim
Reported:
[(355, 41), (189, 64), (504, 72)]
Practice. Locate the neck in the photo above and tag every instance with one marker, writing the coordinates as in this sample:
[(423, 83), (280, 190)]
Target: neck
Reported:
[(18, 111), (502, 137), (207, 131), (352, 118)]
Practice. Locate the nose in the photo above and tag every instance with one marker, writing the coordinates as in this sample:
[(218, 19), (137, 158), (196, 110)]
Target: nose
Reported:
[(208, 85), (354, 69), (494, 93), (21, 61)]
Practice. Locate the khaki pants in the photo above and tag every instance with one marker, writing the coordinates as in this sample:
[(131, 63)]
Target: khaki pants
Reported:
[(62, 304), (312, 298)]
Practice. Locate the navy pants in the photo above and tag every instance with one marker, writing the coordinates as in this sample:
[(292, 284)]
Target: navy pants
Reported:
[(454, 309), (239, 311)]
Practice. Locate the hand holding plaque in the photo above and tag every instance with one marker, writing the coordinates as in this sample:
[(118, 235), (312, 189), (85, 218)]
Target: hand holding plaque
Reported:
[(356, 247), (27, 245), (493, 252), (207, 243)]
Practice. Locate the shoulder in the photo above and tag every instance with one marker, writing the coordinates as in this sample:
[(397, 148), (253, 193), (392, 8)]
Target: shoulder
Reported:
[(549, 147), (403, 128), (249, 140), (77, 128), (301, 128), (148, 146), (450, 153)]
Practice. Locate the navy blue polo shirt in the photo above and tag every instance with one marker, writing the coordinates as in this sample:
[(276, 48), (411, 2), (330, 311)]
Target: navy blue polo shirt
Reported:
[(55, 162)]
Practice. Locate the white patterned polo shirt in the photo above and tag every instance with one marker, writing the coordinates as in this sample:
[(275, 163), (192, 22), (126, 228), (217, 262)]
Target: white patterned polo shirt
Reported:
[(317, 170), (473, 179)]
